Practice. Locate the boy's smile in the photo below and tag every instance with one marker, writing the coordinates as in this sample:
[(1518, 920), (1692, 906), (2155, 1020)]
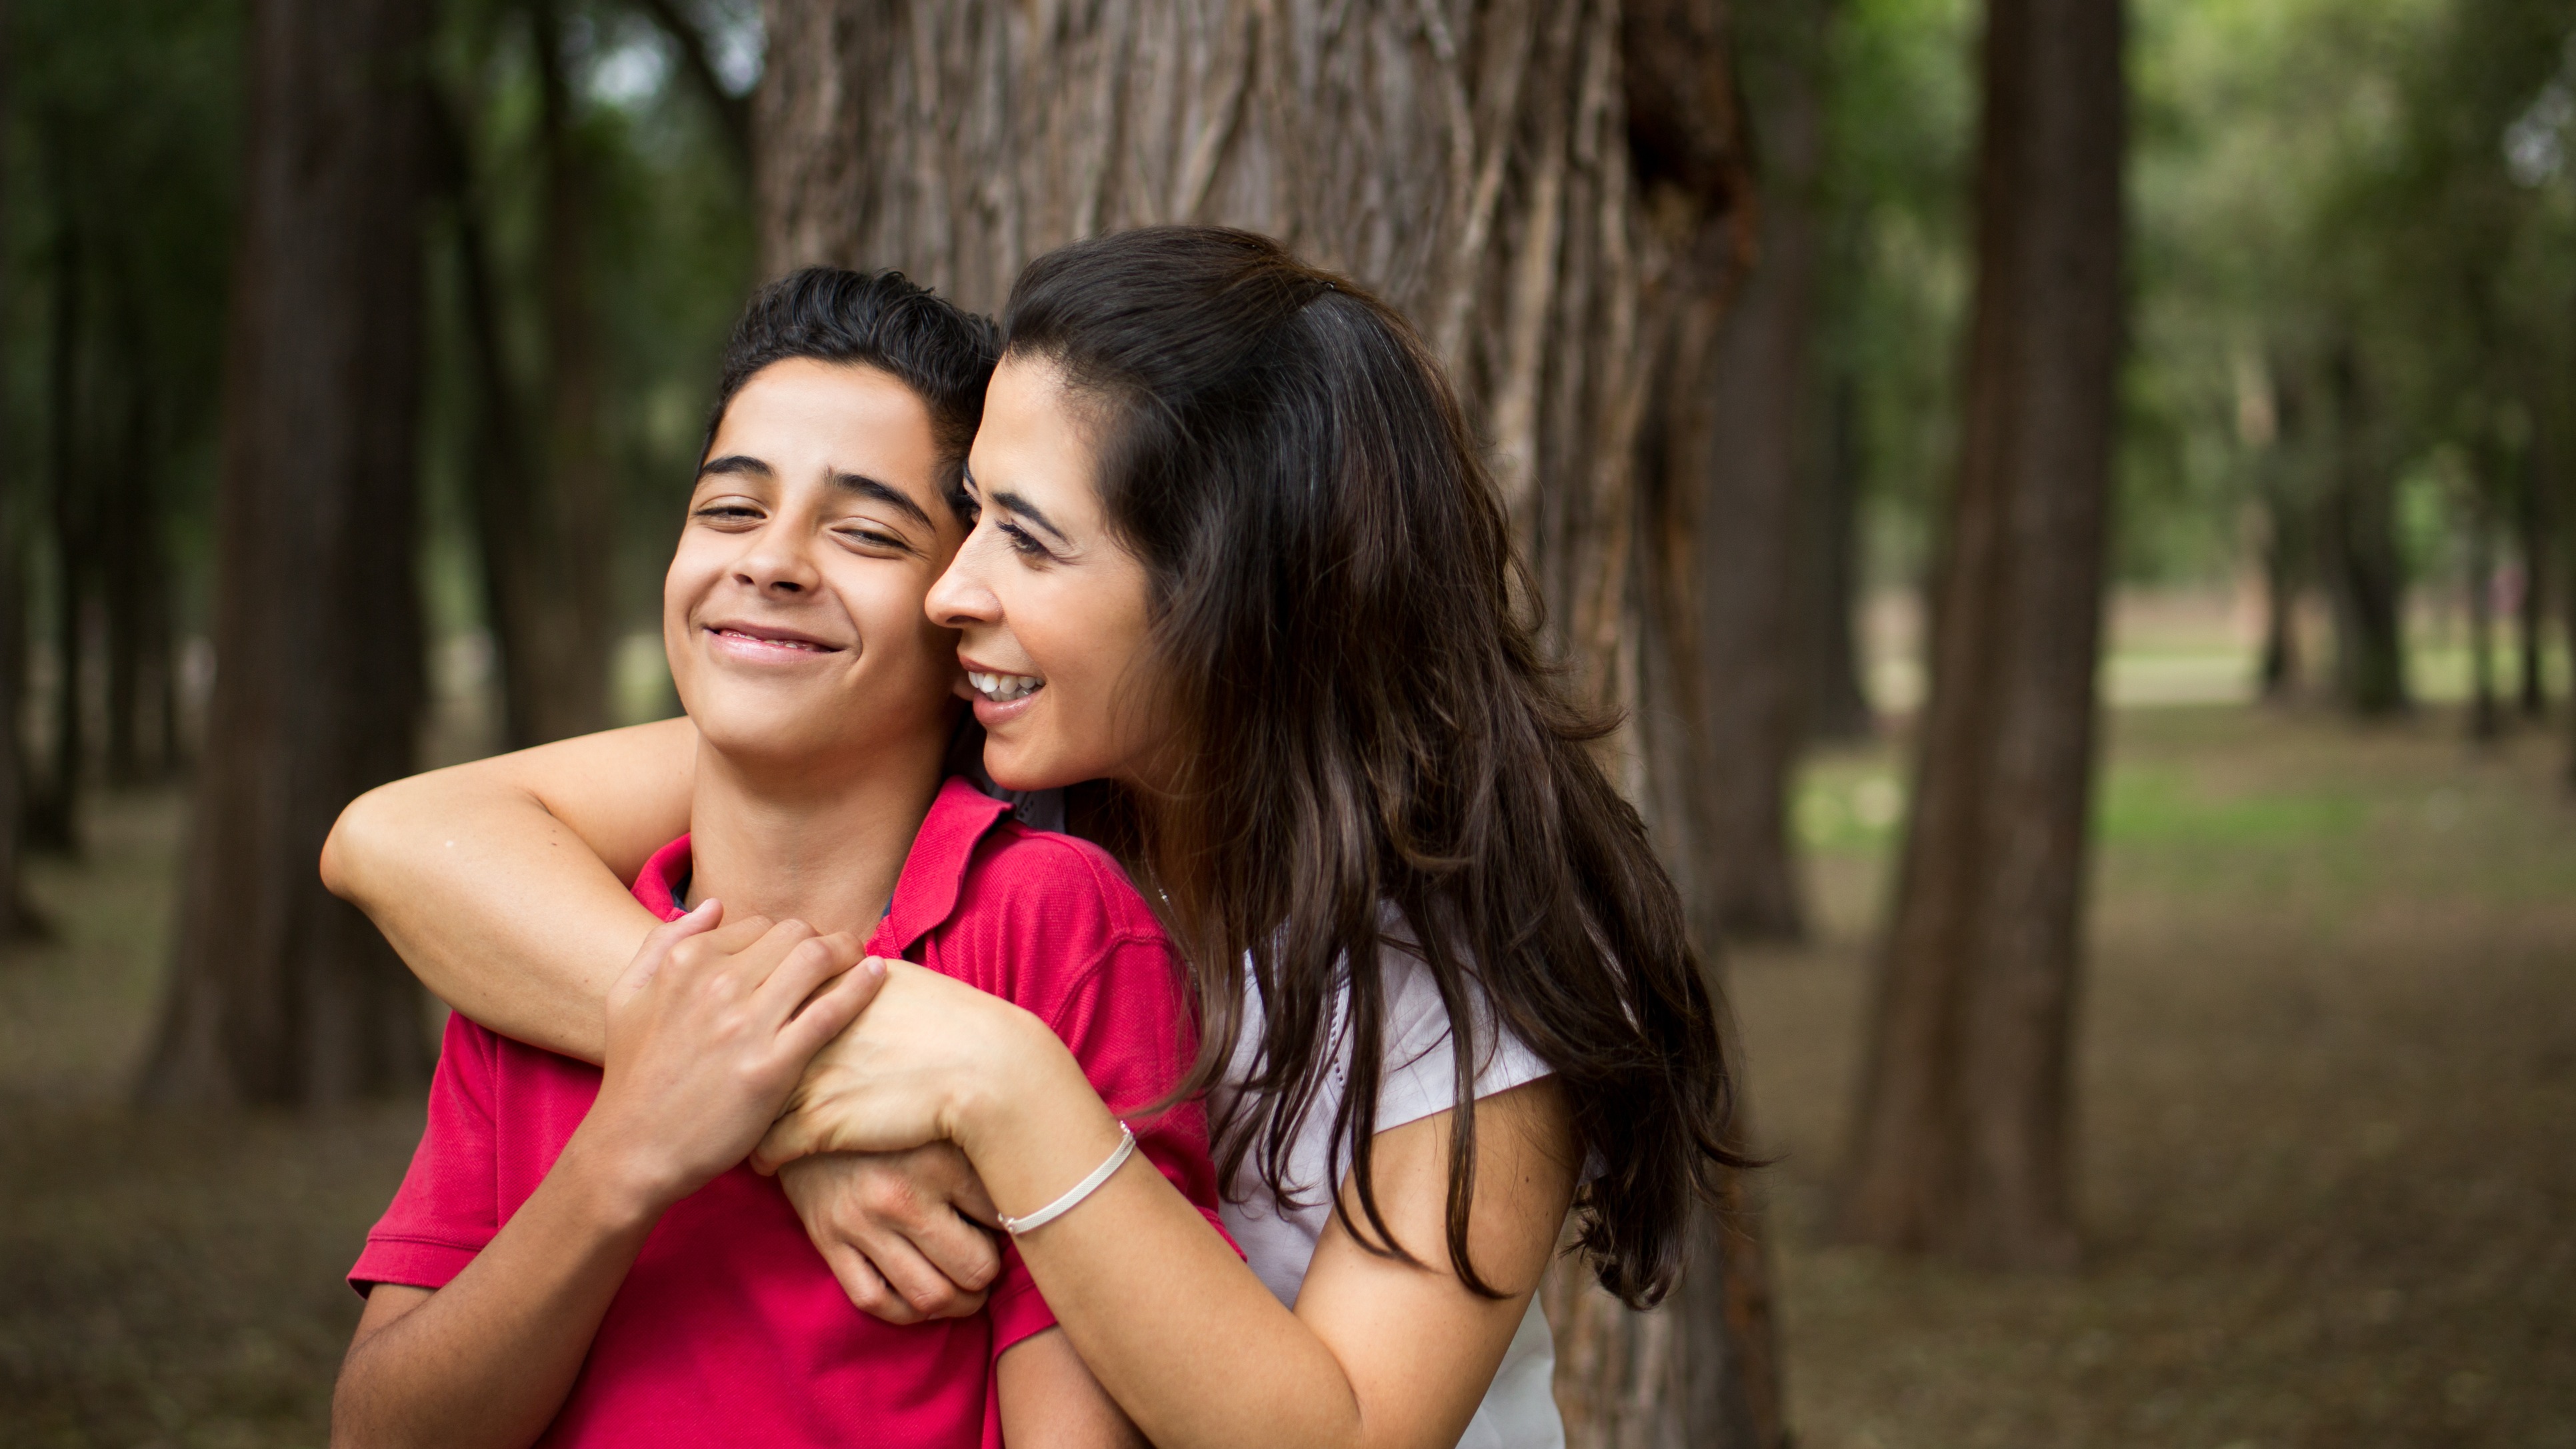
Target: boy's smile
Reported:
[(767, 643), (792, 612)]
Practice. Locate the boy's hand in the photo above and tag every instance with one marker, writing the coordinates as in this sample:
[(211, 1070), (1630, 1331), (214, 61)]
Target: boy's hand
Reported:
[(708, 1030), (905, 1232)]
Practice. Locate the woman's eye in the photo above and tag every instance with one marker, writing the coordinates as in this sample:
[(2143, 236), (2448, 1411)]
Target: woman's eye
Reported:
[(873, 538), (1021, 543), (728, 513)]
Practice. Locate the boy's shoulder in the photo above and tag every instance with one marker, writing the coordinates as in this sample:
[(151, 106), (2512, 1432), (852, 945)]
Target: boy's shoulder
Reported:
[(1032, 916), (1017, 864)]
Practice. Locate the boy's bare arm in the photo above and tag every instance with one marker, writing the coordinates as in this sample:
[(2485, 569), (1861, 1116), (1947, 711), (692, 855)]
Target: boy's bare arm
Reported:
[(1050, 1401), (498, 880), (487, 1360), (702, 1049)]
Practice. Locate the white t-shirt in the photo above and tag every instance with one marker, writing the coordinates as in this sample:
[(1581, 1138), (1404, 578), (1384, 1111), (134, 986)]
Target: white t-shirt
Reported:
[(1417, 1080)]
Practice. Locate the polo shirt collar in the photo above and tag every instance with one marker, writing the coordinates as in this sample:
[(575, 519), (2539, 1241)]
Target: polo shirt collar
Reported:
[(934, 870), (925, 894)]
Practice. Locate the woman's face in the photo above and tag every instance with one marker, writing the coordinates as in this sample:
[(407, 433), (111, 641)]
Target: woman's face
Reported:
[(1049, 605)]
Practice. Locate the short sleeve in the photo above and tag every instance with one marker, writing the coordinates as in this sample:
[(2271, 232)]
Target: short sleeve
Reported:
[(1420, 1078), (448, 1207)]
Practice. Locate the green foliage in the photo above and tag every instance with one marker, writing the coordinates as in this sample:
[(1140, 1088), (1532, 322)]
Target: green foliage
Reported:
[(2396, 175)]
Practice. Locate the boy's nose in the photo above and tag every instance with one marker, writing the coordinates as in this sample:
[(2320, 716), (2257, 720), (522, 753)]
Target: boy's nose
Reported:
[(774, 566)]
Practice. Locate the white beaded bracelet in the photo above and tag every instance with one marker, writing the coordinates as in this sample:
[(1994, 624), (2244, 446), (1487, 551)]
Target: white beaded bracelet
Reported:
[(1081, 1190)]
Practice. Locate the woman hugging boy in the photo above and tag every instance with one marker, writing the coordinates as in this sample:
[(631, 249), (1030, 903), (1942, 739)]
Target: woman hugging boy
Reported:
[(581, 1255)]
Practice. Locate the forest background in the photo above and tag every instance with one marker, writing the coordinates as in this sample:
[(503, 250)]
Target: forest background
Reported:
[(2285, 1142)]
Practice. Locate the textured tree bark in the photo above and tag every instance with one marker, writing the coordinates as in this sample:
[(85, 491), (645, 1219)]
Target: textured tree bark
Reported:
[(277, 991), (1962, 1139), (1753, 447), (1544, 186), (2357, 551)]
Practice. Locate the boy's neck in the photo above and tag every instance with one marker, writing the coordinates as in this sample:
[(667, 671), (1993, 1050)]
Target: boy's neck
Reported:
[(819, 845)]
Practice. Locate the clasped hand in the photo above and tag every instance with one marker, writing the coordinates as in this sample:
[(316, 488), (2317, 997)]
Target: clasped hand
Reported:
[(709, 1029), (718, 1036)]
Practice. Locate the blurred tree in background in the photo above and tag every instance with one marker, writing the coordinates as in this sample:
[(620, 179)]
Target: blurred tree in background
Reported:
[(279, 992), (1961, 1142)]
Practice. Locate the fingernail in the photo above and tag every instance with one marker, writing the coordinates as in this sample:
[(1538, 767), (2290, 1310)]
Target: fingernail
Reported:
[(702, 907)]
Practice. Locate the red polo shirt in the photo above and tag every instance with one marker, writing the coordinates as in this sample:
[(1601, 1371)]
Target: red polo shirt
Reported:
[(729, 1329)]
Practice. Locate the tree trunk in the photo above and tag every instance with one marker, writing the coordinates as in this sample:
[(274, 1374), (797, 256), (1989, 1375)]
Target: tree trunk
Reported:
[(540, 488), (1485, 166), (134, 574), (2278, 677), (2357, 547), (2562, 464), (2531, 606), (1962, 1138), (277, 991), (1837, 705), (575, 643), (53, 805), (1754, 453), (2271, 425), (2486, 716), (16, 918)]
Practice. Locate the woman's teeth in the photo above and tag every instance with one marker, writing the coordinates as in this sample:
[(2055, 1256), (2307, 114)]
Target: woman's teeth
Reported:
[(1003, 688)]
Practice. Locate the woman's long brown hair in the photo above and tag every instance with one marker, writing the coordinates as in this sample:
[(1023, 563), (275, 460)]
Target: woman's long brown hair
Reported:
[(1364, 720)]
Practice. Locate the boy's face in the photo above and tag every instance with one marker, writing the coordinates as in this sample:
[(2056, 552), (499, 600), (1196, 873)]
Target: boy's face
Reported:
[(792, 610)]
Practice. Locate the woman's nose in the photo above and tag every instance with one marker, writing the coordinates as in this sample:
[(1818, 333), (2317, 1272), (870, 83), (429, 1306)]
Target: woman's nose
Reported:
[(960, 596)]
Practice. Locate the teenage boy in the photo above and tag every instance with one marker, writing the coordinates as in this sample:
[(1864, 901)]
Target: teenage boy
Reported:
[(579, 1254)]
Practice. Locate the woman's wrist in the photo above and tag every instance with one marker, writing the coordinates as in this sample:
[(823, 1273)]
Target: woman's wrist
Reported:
[(1033, 1125)]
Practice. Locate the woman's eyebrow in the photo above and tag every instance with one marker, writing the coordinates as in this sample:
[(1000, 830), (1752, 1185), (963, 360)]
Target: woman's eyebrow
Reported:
[(1021, 506), (885, 493)]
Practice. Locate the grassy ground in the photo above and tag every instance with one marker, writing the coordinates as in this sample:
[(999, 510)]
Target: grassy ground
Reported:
[(2328, 1086), (2327, 1101)]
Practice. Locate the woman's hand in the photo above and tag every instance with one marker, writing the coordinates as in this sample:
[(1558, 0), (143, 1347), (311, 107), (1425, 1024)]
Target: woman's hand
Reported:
[(707, 1034), (911, 1071), (906, 1233)]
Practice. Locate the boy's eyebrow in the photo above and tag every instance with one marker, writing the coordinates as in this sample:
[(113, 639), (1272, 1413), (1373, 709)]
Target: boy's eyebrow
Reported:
[(885, 493), (736, 463), (859, 483)]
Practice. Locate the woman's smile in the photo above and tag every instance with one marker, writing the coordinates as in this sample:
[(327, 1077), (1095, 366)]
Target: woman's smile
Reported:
[(1002, 688)]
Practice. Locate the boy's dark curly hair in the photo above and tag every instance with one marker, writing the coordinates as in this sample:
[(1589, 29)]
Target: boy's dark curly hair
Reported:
[(942, 352)]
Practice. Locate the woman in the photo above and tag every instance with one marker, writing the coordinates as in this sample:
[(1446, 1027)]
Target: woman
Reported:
[(1235, 559)]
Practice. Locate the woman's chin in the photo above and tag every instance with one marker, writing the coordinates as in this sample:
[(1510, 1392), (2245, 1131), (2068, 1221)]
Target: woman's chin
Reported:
[(1020, 769)]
